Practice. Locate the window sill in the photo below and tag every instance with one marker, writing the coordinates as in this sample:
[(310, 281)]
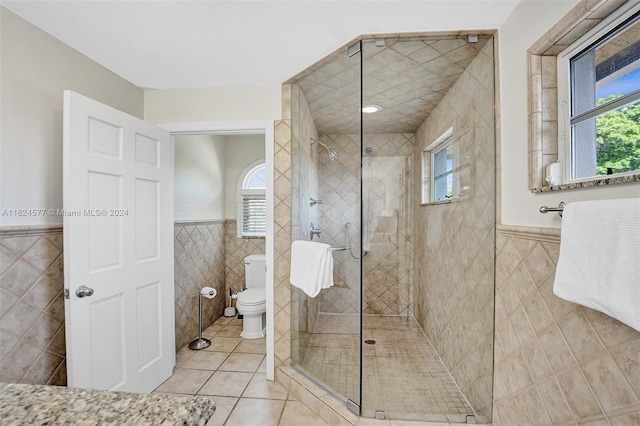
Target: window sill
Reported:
[(590, 183), (436, 203)]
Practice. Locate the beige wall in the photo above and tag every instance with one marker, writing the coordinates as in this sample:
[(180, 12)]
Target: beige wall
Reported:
[(207, 171), (221, 104), (529, 21), (35, 70), (199, 177), (241, 151)]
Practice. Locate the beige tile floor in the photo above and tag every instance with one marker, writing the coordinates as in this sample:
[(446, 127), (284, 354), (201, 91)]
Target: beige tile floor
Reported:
[(402, 373), (231, 373)]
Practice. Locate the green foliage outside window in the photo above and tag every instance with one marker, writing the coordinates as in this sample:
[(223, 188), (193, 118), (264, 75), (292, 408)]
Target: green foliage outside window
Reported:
[(618, 138)]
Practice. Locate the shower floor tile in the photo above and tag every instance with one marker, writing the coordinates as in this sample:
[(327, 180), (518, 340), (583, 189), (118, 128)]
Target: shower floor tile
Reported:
[(402, 373)]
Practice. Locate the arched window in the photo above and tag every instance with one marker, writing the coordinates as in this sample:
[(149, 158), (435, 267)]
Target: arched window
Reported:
[(252, 202)]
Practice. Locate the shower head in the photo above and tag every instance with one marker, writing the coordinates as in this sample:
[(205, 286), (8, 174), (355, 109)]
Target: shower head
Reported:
[(333, 154), (368, 150)]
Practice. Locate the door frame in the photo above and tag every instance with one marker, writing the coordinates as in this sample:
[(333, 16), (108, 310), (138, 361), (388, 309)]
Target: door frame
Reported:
[(266, 128)]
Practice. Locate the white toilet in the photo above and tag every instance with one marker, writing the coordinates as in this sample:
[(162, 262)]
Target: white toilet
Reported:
[(251, 303)]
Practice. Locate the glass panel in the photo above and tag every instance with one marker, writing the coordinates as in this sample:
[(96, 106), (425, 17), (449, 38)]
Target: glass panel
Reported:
[(618, 64), (325, 336), (420, 319), (258, 179), (617, 143), (608, 70), (443, 161), (608, 140), (391, 332)]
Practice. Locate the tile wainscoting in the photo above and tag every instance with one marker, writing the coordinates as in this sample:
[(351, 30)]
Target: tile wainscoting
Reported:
[(32, 340), (32, 332), (556, 362), (199, 262)]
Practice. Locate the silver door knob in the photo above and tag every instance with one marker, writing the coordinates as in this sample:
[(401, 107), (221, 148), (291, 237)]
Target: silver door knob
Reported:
[(84, 291)]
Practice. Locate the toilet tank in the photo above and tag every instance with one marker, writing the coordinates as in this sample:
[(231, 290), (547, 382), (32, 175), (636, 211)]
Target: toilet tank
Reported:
[(255, 275)]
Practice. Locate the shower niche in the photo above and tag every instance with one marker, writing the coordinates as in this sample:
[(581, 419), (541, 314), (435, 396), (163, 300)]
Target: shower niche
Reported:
[(406, 332)]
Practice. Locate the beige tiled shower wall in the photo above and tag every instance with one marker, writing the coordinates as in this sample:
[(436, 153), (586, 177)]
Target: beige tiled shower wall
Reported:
[(304, 186), (199, 262), (32, 339), (388, 221), (282, 230), (454, 247), (556, 362), (236, 249)]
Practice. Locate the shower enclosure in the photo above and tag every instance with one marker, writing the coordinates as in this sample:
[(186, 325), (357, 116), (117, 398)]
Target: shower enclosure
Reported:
[(408, 190)]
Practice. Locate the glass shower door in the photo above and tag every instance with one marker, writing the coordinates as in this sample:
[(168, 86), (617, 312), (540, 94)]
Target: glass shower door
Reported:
[(326, 192)]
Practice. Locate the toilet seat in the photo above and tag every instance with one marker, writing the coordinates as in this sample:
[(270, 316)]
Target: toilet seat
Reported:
[(252, 297)]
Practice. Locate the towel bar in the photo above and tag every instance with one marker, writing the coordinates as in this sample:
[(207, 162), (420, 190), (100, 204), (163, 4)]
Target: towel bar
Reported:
[(559, 209), (338, 248)]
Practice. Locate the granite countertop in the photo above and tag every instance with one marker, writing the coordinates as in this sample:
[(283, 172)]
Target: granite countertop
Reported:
[(56, 405)]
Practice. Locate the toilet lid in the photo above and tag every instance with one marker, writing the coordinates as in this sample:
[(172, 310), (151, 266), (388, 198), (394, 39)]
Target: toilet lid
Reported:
[(252, 296)]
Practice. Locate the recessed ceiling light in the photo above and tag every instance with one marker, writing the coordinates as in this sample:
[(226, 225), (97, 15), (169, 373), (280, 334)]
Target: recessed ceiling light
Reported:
[(370, 109)]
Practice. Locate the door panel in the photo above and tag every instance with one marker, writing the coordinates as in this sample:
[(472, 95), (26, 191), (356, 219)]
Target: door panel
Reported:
[(106, 319), (147, 215), (149, 308), (118, 183), (147, 150), (105, 139), (105, 233)]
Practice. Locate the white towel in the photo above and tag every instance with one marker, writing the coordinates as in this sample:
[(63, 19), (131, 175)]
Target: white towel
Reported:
[(599, 264), (311, 266)]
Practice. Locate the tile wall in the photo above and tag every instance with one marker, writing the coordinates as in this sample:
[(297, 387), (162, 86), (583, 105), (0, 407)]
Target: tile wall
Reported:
[(199, 262), (32, 336), (304, 186), (337, 183), (236, 249), (387, 200), (556, 362), (454, 303), (282, 230), (32, 332)]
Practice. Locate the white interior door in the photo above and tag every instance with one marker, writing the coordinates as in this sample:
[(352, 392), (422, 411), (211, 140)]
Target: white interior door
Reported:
[(118, 243)]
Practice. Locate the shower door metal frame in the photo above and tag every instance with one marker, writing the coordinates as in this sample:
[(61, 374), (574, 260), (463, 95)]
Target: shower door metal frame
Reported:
[(353, 406)]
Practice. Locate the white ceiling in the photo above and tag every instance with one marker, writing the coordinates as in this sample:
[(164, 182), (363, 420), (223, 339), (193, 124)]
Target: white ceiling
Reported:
[(181, 44)]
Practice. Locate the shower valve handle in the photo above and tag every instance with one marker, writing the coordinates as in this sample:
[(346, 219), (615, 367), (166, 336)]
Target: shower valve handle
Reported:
[(314, 231), (313, 201)]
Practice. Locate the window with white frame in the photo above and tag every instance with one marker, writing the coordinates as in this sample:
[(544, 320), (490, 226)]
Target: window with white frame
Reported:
[(599, 100), (442, 166), (252, 202), (437, 170)]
